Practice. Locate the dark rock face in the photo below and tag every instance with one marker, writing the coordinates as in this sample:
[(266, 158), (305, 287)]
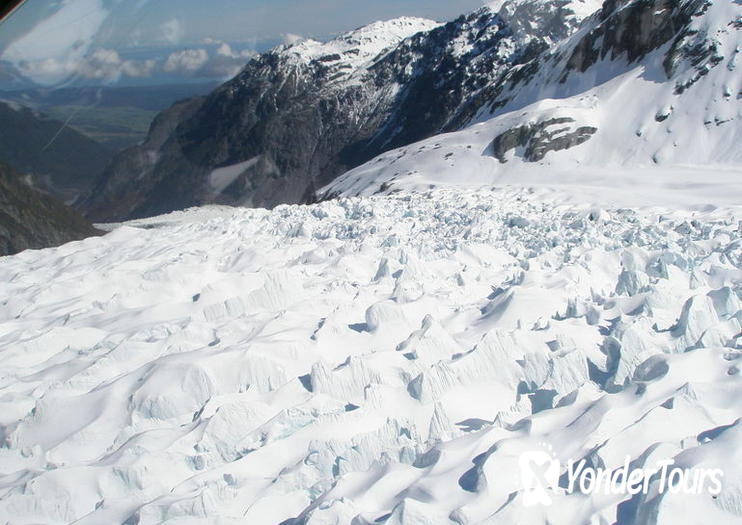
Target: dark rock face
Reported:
[(626, 30), (632, 29), (453, 66), (698, 49), (129, 180), (537, 139), (297, 124), (60, 160), (32, 220)]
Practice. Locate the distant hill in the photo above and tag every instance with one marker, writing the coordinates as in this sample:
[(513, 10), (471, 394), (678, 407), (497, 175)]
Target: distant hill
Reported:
[(118, 117), (153, 98), (59, 159), (32, 220)]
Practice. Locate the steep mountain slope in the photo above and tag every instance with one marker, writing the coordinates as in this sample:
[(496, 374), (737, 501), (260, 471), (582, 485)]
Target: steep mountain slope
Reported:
[(379, 360), (642, 83), (59, 159), (29, 219), (298, 116)]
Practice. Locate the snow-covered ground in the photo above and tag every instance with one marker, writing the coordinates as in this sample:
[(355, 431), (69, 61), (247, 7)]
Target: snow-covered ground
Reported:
[(400, 355), (374, 360)]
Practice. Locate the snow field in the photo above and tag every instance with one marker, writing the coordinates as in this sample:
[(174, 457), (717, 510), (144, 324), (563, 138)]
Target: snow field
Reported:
[(366, 358)]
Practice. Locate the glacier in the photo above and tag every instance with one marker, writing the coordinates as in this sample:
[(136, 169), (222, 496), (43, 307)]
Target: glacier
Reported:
[(379, 359), (559, 274)]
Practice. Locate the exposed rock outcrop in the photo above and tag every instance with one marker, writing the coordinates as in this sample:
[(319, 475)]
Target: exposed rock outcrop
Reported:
[(538, 139)]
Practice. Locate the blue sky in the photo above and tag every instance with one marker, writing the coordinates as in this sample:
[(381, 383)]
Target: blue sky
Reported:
[(105, 41), (140, 22), (266, 19)]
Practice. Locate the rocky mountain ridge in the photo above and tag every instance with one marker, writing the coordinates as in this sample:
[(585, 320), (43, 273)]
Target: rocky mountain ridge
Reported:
[(298, 116), (642, 85)]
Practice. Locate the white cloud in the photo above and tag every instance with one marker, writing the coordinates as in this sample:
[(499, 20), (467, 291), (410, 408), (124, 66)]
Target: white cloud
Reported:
[(102, 64), (58, 40), (46, 71), (224, 63), (172, 31), (108, 66), (225, 50), (227, 62), (291, 39), (67, 32), (186, 62)]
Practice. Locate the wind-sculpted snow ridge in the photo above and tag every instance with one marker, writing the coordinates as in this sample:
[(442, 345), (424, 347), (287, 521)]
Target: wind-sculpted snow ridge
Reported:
[(371, 360)]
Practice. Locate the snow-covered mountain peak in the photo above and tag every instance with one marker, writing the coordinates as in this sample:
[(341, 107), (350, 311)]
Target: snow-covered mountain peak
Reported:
[(639, 85), (390, 30), (572, 11), (355, 48), (581, 8)]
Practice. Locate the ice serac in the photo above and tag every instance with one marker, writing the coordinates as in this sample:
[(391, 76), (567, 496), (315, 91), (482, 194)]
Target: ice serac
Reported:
[(640, 84), (373, 360), (300, 115)]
